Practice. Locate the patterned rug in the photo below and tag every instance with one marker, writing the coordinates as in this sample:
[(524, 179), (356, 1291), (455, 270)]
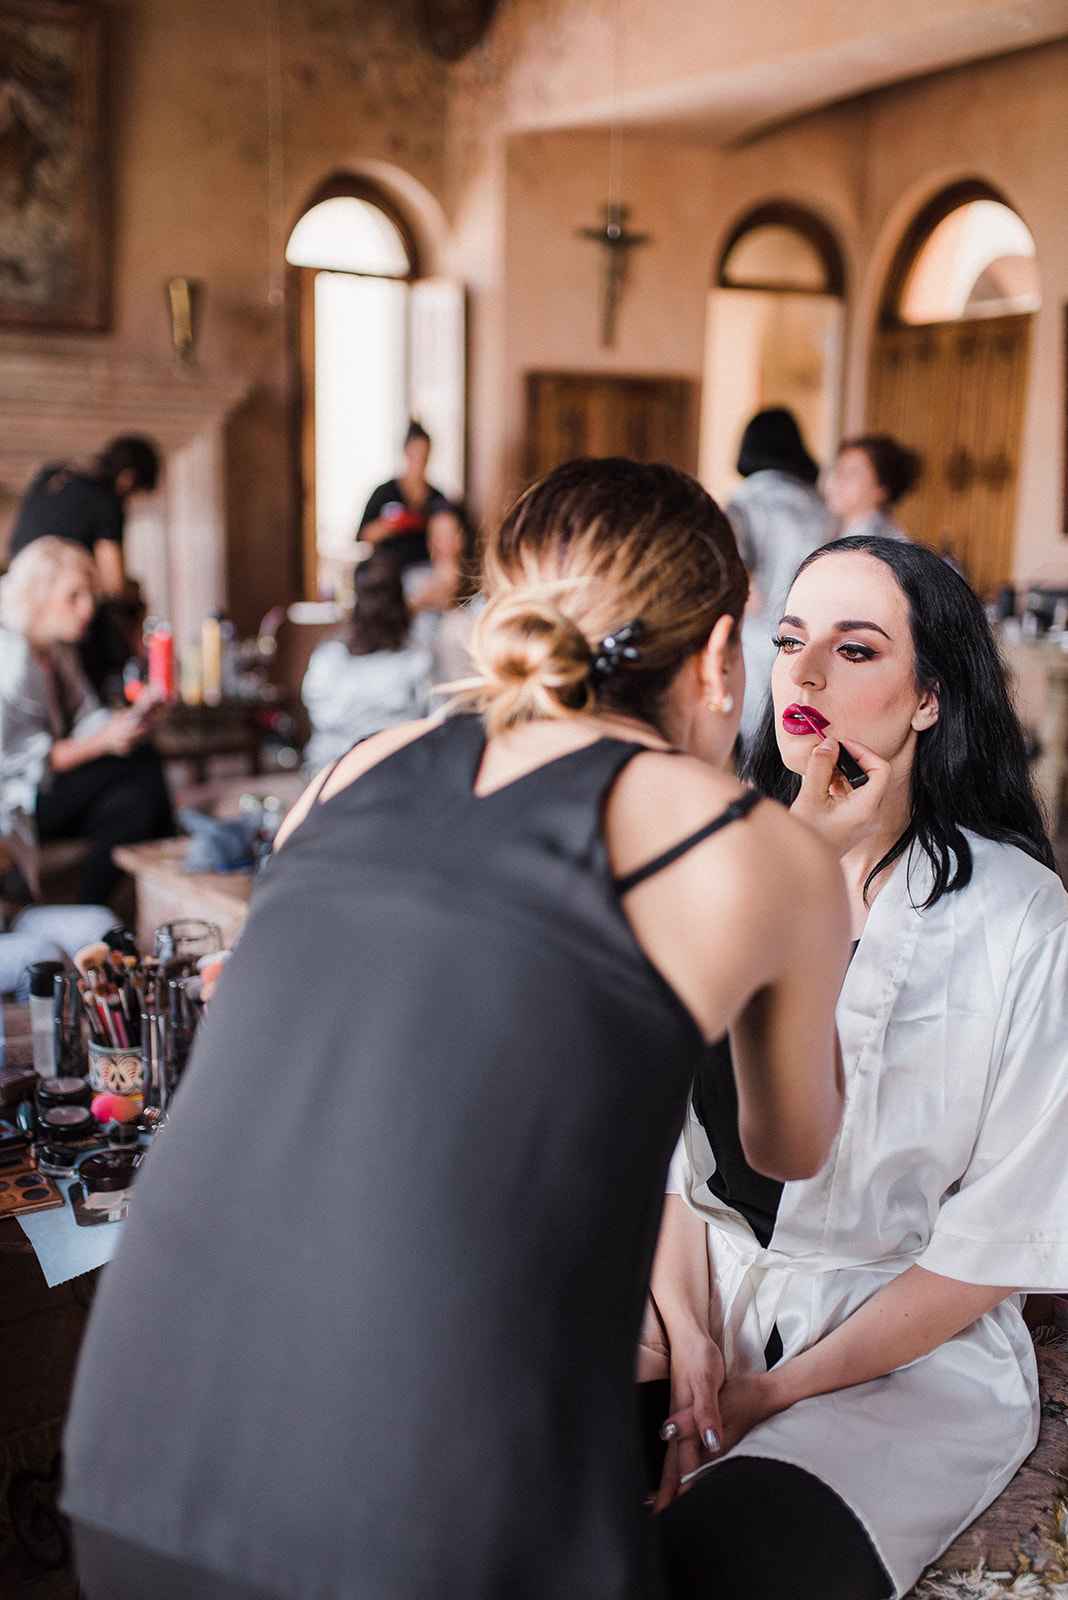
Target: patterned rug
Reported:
[(1019, 1546)]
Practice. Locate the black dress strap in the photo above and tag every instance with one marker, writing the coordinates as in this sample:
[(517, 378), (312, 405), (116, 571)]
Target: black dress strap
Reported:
[(737, 809)]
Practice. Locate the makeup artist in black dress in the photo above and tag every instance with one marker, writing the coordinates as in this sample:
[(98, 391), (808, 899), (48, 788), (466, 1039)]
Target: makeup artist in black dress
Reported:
[(371, 1330)]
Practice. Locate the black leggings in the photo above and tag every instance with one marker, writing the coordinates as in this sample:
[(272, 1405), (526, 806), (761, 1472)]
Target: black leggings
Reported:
[(753, 1529), (112, 800)]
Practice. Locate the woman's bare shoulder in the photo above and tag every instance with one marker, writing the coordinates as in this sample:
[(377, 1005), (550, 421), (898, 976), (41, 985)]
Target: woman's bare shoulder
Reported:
[(661, 799)]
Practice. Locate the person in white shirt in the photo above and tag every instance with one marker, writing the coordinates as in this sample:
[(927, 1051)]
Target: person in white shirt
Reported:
[(778, 518), (371, 679), (853, 1342)]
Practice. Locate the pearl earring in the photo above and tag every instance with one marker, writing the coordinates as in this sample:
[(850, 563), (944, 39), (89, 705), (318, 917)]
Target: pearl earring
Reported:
[(724, 707)]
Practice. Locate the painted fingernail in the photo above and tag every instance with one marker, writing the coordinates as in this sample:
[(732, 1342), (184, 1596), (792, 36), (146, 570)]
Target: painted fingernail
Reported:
[(712, 1440), (670, 1430)]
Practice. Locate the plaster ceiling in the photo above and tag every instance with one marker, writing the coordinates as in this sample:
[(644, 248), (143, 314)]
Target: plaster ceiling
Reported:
[(732, 103)]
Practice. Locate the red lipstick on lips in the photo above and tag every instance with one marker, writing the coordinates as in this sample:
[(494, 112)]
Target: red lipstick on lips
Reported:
[(801, 720), (805, 719)]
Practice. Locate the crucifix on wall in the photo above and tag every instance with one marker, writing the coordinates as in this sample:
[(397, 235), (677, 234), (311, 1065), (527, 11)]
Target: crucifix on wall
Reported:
[(617, 244)]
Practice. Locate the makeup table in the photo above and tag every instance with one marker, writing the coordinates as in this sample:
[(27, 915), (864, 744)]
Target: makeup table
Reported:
[(1042, 660), (63, 1249), (167, 894)]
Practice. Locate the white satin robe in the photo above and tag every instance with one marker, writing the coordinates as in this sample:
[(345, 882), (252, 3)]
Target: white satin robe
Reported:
[(952, 1154)]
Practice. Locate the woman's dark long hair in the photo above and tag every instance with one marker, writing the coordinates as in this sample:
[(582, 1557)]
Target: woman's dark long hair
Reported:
[(381, 619), (970, 770)]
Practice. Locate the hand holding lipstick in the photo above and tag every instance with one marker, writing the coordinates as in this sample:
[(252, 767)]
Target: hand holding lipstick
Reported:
[(843, 810)]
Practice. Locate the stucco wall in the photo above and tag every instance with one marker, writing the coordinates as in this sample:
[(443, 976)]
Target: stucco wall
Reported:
[(499, 205), (188, 94), (866, 167)]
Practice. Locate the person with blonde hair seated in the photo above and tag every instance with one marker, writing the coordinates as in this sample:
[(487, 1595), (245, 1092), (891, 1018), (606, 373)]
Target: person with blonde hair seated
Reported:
[(457, 1036), (68, 767)]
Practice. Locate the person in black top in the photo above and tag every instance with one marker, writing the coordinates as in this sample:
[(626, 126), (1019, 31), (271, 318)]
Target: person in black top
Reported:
[(439, 1090), (85, 502), (395, 517)]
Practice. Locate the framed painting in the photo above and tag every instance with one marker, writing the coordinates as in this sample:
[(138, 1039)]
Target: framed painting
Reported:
[(53, 226)]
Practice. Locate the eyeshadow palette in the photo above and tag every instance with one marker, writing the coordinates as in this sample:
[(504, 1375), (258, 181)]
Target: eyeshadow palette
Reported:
[(23, 1189)]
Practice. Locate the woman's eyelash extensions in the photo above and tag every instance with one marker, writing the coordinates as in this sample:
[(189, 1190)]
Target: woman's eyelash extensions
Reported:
[(857, 652)]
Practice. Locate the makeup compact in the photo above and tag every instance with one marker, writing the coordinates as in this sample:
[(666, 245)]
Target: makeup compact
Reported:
[(109, 1171), (67, 1125), (16, 1083), (52, 1092)]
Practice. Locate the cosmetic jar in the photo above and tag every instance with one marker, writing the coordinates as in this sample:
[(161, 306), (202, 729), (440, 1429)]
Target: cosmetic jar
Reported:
[(67, 1125), (52, 1092)]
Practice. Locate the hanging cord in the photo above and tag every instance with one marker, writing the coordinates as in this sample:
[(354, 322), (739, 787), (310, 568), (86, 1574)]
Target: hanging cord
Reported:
[(276, 243), (615, 133)]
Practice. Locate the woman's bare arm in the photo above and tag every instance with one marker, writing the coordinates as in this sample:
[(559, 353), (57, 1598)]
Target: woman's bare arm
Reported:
[(751, 929), (681, 1291)]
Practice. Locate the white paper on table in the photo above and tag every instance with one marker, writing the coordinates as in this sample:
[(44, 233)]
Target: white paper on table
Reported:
[(64, 1250)]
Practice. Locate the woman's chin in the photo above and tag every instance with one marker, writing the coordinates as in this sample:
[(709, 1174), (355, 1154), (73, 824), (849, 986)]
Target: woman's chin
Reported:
[(792, 758)]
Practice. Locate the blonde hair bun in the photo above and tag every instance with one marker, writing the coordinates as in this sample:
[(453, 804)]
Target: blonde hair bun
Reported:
[(533, 659), (587, 558)]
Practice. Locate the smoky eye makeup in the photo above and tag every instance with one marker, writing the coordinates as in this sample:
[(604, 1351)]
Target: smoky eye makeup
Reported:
[(856, 651)]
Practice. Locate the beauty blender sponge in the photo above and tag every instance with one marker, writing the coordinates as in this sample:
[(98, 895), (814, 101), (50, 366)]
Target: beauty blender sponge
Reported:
[(116, 1107)]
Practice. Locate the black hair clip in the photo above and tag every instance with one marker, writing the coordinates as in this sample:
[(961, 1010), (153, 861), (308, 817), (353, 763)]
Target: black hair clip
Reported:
[(617, 649)]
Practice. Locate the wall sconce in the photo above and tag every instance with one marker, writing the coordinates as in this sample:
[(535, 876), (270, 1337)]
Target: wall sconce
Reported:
[(183, 306)]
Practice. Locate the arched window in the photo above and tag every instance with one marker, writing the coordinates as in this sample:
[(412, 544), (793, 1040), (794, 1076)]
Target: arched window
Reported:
[(967, 254), (378, 344), (348, 234), (948, 371), (784, 249), (773, 334)]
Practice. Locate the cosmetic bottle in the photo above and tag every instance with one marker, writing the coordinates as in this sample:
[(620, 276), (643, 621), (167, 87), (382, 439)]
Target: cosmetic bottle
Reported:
[(42, 1015)]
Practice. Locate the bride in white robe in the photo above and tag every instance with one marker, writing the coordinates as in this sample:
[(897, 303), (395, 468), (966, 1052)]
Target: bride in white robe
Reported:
[(907, 1382)]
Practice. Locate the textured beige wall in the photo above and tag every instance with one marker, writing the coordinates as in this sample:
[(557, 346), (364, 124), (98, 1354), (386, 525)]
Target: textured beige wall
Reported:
[(727, 67), (188, 97), (497, 202), (866, 167)]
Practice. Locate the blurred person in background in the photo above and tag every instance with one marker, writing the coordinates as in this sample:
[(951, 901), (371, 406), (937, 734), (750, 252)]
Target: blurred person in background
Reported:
[(871, 473), (75, 769), (86, 502), (395, 517), (373, 677), (778, 519), (441, 593)]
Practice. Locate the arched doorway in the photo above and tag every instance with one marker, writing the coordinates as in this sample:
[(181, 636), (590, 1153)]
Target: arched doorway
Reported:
[(948, 372), (379, 343), (773, 335)]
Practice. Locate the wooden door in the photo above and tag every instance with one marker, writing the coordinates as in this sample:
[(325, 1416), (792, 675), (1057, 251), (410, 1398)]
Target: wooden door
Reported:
[(954, 391), (572, 414)]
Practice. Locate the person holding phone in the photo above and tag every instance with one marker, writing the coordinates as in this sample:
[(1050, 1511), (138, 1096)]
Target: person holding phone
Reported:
[(69, 768), (395, 517)]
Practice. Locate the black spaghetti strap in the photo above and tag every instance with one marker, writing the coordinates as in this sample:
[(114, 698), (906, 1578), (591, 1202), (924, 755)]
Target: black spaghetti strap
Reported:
[(324, 778), (737, 809)]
